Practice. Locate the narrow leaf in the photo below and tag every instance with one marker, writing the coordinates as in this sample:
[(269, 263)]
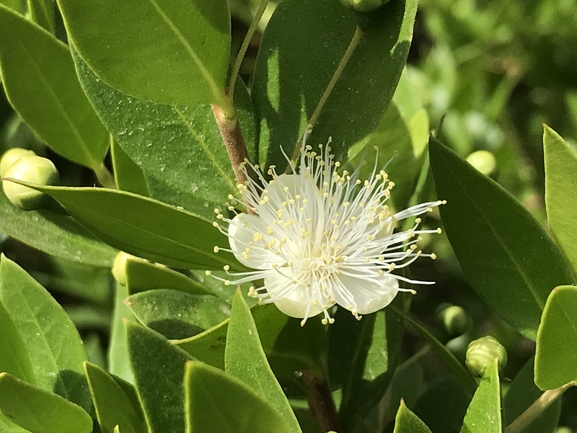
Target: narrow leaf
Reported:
[(113, 407), (556, 352), (245, 359), (407, 422), (174, 52), (54, 347), (217, 402), (506, 255), (48, 96), (144, 227), (561, 192), (38, 410), (42, 13), (127, 174), (484, 412), (13, 356), (118, 363)]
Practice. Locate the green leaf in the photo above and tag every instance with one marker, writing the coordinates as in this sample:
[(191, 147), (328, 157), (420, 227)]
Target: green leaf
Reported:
[(41, 84), (55, 234), (42, 13), (174, 52), (245, 359), (556, 351), (560, 181), (127, 174), (506, 255), (118, 363), (452, 363), (143, 275), (521, 394), (113, 406), (158, 371), (208, 346), (217, 402), (54, 347), (13, 356), (175, 314), (180, 146), (407, 422), (289, 79), (38, 410), (372, 345), (484, 412), (139, 226)]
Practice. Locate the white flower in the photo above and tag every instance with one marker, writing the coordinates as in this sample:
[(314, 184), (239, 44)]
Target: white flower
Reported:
[(319, 238)]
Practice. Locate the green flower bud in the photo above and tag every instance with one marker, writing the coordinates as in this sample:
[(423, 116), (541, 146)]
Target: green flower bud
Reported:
[(119, 266), (483, 161), (11, 156), (33, 169), (363, 5), (454, 320), (482, 352)]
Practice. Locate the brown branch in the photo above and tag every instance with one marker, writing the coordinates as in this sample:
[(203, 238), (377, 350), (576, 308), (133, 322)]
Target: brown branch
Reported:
[(321, 403)]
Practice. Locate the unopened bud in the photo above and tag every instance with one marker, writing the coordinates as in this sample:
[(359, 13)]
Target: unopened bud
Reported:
[(33, 169), (454, 320), (482, 352), (483, 161), (11, 156)]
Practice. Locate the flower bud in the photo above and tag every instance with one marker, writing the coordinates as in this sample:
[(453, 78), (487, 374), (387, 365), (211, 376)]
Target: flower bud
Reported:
[(33, 169), (11, 156), (483, 161), (119, 266), (363, 5), (482, 352), (454, 320)]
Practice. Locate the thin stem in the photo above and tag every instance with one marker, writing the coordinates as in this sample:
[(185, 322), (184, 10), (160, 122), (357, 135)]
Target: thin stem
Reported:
[(536, 408), (321, 403), (104, 176), (244, 47), (346, 57)]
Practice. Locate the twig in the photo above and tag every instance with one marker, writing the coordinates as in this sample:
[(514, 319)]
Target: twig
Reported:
[(321, 403)]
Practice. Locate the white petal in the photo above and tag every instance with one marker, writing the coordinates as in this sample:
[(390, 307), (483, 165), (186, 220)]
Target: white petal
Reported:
[(241, 231), (370, 296), (296, 302)]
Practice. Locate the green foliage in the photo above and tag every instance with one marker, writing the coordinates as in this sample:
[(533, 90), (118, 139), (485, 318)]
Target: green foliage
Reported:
[(123, 99)]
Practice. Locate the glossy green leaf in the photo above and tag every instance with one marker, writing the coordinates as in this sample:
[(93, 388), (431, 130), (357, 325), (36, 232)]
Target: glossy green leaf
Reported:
[(175, 314), (218, 402), (39, 410), (13, 356), (55, 234), (506, 255), (54, 347), (452, 363), (556, 352), (143, 275), (41, 84), (127, 174), (484, 412), (373, 345), (208, 346), (560, 196), (175, 52), (145, 227), (118, 363), (12, 4), (42, 13), (180, 146), (113, 406), (245, 359), (521, 394), (158, 371), (407, 422), (289, 79)]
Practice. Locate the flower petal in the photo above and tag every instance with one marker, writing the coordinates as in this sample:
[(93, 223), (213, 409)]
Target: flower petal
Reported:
[(296, 302), (369, 295), (241, 235)]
